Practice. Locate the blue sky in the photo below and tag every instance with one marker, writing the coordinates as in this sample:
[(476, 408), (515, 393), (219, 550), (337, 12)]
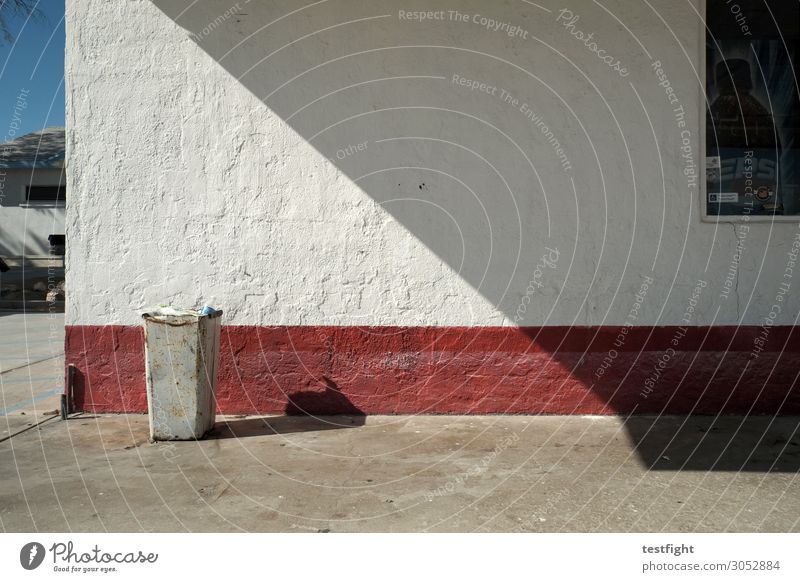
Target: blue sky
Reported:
[(34, 63)]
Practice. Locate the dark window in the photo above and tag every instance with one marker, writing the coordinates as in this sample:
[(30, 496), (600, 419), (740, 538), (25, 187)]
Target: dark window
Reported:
[(46, 193), (753, 115)]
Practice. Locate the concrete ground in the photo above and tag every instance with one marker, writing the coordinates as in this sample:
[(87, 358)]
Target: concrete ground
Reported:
[(27, 338), (31, 368), (422, 473)]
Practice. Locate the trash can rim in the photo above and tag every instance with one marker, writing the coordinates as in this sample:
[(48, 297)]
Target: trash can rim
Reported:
[(162, 317)]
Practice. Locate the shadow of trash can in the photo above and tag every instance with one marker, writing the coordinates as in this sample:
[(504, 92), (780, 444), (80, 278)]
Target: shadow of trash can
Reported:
[(181, 359)]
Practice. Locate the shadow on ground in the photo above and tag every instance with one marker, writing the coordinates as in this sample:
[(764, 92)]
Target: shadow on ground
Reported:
[(725, 443), (278, 425)]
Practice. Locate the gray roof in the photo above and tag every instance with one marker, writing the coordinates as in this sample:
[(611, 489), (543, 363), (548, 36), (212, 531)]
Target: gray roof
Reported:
[(40, 149)]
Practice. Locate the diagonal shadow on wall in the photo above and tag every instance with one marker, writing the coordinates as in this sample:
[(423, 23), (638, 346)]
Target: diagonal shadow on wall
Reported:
[(512, 199)]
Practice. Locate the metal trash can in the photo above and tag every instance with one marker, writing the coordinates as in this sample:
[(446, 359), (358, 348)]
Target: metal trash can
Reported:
[(181, 359)]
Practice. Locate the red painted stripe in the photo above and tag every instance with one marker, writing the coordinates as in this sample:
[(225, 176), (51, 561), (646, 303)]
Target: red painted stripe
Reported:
[(465, 370)]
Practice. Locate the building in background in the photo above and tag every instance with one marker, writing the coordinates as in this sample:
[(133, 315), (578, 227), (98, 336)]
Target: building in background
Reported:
[(508, 207), (32, 195)]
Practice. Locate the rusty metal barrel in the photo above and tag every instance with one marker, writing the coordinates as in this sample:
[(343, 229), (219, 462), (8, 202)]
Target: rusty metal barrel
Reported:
[(182, 356)]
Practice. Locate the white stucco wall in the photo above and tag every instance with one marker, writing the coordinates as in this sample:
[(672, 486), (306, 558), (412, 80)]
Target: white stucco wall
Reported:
[(210, 161), (24, 228)]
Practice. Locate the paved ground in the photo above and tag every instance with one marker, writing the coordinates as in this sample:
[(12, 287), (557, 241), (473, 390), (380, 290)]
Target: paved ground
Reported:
[(28, 338), (31, 368), (406, 474)]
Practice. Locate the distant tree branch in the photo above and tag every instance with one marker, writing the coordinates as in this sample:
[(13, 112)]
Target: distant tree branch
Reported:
[(11, 10)]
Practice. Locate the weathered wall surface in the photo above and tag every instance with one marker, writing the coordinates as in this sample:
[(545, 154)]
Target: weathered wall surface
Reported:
[(361, 164), (25, 228), (211, 156)]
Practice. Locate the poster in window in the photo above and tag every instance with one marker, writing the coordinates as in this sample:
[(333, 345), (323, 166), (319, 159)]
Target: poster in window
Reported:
[(753, 111)]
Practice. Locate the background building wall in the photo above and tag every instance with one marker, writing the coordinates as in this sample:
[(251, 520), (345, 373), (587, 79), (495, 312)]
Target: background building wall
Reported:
[(335, 165), (24, 228)]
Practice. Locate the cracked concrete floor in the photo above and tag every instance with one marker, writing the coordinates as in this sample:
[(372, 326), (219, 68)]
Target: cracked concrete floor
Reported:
[(402, 473)]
